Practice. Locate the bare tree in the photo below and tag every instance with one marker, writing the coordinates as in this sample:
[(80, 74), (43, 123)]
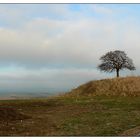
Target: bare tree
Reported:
[(116, 61)]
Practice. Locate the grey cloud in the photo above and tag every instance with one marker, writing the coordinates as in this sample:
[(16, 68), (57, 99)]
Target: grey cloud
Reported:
[(53, 80)]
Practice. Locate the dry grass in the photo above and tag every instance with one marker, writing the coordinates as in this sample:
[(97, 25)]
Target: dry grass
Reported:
[(128, 86)]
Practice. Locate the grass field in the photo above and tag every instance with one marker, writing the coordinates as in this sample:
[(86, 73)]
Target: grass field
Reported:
[(70, 116)]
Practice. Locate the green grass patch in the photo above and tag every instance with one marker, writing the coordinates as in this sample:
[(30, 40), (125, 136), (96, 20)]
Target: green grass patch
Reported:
[(72, 116)]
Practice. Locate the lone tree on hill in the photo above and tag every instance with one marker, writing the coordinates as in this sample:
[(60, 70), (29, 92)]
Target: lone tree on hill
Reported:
[(116, 61)]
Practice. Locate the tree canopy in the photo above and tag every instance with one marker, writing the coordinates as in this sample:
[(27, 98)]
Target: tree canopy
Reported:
[(116, 61)]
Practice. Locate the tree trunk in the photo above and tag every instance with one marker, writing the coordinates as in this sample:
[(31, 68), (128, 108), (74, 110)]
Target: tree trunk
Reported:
[(117, 71)]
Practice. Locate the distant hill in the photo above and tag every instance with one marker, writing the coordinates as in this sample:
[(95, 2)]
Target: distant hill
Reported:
[(24, 95), (126, 86)]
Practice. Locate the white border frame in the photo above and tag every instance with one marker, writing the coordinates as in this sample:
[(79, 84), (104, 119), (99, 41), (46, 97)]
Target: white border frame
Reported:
[(70, 1)]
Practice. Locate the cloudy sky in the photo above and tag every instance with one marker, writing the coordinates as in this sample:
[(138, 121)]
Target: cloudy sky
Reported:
[(56, 47)]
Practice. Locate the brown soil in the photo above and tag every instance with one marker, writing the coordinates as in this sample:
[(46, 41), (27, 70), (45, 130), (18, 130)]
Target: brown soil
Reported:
[(11, 114)]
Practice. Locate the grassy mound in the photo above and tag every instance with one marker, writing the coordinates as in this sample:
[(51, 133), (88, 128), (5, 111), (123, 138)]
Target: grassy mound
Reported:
[(11, 114), (128, 86)]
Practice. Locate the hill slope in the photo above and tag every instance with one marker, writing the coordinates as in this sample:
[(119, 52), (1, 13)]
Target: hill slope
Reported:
[(128, 86)]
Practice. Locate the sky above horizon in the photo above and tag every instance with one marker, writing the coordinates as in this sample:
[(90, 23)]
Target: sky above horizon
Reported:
[(56, 47)]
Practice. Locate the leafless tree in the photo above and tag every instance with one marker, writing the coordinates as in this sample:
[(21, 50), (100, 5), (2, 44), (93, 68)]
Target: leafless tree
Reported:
[(116, 61)]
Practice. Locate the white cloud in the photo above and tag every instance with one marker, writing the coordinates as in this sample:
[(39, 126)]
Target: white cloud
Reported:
[(101, 9), (53, 42)]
